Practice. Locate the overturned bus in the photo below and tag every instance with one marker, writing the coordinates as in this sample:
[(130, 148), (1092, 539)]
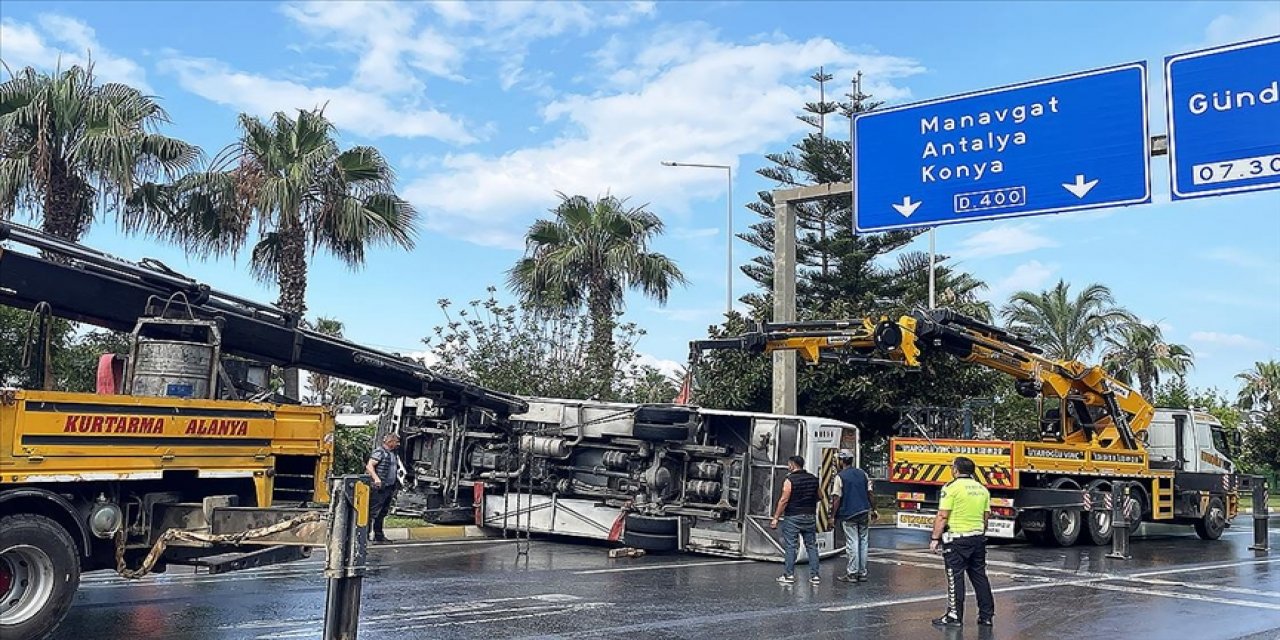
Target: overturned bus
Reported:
[(653, 477)]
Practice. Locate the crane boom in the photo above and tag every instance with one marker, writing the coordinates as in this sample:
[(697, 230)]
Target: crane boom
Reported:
[(1093, 407), (89, 286)]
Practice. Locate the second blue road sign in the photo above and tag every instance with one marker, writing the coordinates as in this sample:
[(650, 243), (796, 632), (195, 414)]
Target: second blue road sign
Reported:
[(1069, 143), (1224, 119)]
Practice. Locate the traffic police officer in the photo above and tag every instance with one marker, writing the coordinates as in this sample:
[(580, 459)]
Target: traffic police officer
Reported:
[(960, 529)]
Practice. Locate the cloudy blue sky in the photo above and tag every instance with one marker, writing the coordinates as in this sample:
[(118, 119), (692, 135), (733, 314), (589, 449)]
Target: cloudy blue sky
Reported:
[(487, 110)]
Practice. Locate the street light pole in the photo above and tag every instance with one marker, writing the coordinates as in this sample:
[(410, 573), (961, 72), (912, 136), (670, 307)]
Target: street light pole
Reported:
[(728, 243)]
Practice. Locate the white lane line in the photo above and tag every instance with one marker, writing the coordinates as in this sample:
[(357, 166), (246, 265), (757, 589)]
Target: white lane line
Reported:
[(656, 567), (440, 543), (1099, 576), (1187, 596), (1208, 567), (943, 596)]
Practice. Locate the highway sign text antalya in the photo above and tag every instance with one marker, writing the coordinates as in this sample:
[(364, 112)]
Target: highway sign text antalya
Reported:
[(1224, 119), (1069, 143)]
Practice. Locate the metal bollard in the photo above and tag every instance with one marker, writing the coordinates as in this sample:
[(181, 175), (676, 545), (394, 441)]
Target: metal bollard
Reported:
[(1119, 521), (344, 562), (1261, 515)]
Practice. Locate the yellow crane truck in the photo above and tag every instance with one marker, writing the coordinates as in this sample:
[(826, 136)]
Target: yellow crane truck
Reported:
[(183, 454), (1094, 431)]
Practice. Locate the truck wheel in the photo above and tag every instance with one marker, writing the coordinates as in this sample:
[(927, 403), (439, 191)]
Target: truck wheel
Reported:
[(1098, 522), (1214, 522), (39, 574), (1064, 526), (663, 414), (657, 525), (660, 432), (649, 541)]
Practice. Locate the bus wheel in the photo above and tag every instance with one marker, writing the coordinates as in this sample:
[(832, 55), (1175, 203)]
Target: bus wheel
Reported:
[(39, 573)]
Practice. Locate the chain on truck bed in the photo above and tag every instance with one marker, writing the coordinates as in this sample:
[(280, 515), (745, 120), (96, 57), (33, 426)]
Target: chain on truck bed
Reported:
[(158, 549)]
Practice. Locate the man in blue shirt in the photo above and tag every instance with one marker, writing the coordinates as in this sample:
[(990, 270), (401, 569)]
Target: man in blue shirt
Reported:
[(854, 506)]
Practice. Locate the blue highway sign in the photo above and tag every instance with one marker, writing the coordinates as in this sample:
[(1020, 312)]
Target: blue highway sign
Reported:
[(1060, 144), (1224, 119)]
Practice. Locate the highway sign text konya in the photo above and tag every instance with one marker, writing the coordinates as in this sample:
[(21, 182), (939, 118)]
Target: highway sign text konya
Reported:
[(1068, 143), (1224, 119)]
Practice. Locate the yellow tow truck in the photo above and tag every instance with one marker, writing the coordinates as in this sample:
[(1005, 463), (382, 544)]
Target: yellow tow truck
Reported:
[(183, 456), (1095, 431)]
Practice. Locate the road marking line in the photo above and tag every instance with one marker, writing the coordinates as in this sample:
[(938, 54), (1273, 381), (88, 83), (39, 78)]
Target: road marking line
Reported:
[(1187, 596), (1101, 577), (1204, 567), (656, 567), (943, 596), (440, 543)]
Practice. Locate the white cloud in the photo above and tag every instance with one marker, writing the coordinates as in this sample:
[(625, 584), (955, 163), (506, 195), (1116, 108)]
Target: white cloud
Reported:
[(669, 368), (693, 100), (1258, 21), (1029, 276), (362, 112), (1003, 240), (1245, 260), (391, 49), (60, 41), (1227, 340)]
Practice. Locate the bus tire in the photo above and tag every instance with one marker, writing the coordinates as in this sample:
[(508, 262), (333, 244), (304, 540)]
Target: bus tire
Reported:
[(657, 525), (649, 541), (39, 574)]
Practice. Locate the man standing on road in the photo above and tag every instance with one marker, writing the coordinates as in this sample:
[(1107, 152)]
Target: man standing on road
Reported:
[(383, 468), (798, 511), (854, 508), (960, 528)]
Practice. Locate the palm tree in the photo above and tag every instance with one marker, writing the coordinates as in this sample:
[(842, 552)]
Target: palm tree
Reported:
[(320, 383), (953, 289), (288, 178), (1066, 328), (1261, 387), (1137, 352), (67, 143), (592, 253)]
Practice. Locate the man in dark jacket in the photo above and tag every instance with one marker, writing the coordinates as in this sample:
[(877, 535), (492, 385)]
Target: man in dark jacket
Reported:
[(798, 511), (383, 468), (854, 506)]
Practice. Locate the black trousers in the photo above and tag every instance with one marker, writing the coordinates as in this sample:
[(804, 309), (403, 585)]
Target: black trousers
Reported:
[(379, 506), (968, 556)]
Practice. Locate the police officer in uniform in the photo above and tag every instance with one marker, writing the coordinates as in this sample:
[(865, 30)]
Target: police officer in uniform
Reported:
[(960, 528)]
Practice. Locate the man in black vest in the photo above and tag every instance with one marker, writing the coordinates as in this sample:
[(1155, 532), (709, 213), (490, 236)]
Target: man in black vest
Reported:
[(854, 507), (798, 511), (383, 468)]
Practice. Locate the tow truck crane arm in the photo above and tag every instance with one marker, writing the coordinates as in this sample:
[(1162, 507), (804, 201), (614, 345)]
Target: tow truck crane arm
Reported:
[(866, 340), (1094, 407), (89, 286)]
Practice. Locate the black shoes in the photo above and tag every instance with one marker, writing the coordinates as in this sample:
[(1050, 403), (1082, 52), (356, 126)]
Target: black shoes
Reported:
[(851, 577), (947, 621)]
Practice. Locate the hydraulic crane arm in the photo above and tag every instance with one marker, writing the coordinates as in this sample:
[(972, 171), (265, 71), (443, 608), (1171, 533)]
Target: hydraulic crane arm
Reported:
[(89, 286), (1093, 406), (866, 340)]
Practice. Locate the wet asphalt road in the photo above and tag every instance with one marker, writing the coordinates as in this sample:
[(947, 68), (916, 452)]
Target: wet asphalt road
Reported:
[(1175, 586)]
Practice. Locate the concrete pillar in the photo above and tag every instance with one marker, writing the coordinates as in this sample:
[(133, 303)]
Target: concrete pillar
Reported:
[(784, 302)]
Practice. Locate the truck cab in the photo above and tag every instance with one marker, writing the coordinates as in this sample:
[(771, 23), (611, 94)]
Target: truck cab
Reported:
[(1189, 440)]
